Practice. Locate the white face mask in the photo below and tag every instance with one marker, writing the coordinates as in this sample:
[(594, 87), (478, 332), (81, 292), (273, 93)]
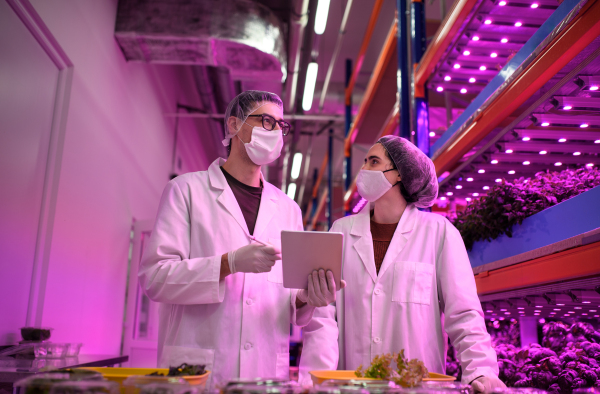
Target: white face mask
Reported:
[(372, 185), (264, 146)]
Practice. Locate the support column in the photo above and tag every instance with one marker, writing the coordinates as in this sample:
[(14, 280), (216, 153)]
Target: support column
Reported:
[(403, 70), (348, 123), (420, 112), (330, 182)]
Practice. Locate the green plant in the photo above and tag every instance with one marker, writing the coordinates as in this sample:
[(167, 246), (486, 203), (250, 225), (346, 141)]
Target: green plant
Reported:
[(509, 203), (406, 374)]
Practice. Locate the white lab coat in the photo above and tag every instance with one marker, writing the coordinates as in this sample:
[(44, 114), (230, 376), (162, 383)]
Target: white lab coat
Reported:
[(425, 289), (237, 327)]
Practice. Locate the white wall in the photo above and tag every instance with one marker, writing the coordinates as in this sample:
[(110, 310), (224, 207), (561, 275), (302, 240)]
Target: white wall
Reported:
[(27, 91), (116, 161)]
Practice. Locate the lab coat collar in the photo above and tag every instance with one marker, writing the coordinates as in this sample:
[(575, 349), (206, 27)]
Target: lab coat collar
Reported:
[(268, 201), (400, 238), (364, 246)]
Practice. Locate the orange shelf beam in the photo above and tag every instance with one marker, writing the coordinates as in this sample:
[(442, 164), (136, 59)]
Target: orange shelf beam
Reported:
[(387, 53), (363, 49), (441, 41), (568, 44), (583, 261)]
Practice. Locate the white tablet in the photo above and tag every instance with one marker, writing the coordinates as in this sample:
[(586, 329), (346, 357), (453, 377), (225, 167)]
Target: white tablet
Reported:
[(302, 252)]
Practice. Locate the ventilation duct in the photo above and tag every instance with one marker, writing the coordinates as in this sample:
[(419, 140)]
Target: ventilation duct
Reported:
[(241, 35)]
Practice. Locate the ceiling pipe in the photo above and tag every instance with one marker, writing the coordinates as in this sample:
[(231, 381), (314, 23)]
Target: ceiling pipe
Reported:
[(336, 51), (297, 26), (310, 117)]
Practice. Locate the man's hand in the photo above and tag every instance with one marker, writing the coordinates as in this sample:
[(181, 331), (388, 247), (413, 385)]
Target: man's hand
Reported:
[(321, 289), (253, 258), (487, 384)]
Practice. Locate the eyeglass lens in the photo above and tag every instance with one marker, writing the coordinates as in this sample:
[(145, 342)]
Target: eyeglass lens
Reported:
[(269, 123)]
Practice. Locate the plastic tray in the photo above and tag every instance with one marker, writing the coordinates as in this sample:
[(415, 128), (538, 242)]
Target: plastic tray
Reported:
[(319, 377), (120, 374)]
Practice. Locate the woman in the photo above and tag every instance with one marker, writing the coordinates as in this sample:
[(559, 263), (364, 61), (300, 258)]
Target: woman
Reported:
[(409, 281)]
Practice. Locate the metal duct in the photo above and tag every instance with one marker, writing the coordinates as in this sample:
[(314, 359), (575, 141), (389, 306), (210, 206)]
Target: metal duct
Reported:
[(241, 35)]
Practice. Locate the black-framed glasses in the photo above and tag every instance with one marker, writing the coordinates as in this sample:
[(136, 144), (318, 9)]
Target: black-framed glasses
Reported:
[(269, 123)]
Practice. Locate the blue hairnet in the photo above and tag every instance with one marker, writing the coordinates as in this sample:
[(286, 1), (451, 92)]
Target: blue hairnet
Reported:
[(419, 183), (245, 104)]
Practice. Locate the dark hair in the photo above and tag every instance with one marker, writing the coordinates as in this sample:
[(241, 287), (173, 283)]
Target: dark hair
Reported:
[(404, 192)]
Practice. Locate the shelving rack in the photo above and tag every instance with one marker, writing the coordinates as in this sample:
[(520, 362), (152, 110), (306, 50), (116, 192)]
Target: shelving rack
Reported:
[(534, 70)]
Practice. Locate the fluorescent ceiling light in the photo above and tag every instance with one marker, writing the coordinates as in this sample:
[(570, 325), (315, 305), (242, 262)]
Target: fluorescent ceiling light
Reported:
[(309, 86), (296, 164), (291, 192), (321, 16)]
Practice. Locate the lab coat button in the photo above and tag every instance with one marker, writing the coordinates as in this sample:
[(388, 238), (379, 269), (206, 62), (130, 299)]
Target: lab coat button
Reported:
[(377, 340), (248, 346), (249, 301), (377, 291)]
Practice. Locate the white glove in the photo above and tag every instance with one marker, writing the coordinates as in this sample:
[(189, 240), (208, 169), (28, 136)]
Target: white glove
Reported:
[(321, 290), (253, 258), (487, 384)]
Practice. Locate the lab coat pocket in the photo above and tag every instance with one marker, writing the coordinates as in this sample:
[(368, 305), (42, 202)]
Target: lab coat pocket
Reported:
[(276, 273), (412, 282), (282, 368)]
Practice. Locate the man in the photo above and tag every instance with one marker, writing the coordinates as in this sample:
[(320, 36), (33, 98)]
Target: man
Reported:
[(213, 260)]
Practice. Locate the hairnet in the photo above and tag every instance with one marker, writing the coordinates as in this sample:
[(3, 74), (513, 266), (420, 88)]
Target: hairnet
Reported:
[(419, 182), (245, 104)]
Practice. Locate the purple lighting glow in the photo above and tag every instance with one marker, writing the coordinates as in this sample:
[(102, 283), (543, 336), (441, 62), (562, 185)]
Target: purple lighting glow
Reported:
[(512, 172), (494, 161), (543, 152), (468, 198), (359, 205), (526, 163), (502, 3), (466, 53), (594, 87), (469, 179), (472, 80), (504, 40), (440, 89), (459, 187), (481, 171), (597, 142), (558, 164), (449, 193), (518, 24), (482, 68), (488, 22), (486, 188), (576, 153), (508, 151), (447, 78), (442, 198), (493, 54), (567, 107), (498, 180), (562, 140), (475, 38), (535, 5), (545, 124), (589, 165), (456, 66), (583, 125), (526, 138), (432, 133), (475, 194), (463, 91)]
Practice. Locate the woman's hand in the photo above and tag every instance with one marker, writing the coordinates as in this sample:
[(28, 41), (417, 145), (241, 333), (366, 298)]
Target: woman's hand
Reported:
[(321, 289)]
